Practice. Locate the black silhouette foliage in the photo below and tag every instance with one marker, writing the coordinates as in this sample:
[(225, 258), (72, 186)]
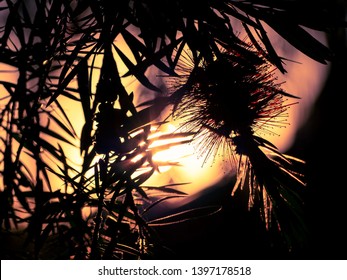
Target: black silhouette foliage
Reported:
[(51, 48)]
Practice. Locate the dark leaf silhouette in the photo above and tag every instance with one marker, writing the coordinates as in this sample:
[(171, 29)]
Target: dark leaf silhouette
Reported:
[(96, 203)]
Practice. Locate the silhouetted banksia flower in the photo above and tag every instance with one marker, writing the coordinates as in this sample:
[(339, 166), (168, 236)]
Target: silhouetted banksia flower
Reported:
[(229, 103)]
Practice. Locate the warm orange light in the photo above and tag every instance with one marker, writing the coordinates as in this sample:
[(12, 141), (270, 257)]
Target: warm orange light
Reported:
[(175, 152), (181, 164), (304, 79)]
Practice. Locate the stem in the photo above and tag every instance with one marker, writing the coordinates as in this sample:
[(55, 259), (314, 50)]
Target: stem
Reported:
[(95, 253)]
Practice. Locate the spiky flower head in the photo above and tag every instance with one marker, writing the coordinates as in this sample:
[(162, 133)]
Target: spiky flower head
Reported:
[(234, 95), (230, 102)]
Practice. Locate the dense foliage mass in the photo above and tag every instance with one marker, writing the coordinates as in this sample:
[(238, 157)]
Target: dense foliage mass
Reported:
[(222, 87)]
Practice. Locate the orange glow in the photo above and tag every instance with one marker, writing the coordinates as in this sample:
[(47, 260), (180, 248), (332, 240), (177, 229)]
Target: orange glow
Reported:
[(304, 80), (179, 163), (174, 153), (198, 171)]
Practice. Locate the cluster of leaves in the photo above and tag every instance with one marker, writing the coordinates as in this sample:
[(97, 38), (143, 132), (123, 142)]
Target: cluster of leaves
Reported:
[(51, 48)]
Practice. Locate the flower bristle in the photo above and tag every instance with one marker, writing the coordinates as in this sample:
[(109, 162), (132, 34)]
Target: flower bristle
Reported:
[(228, 102), (235, 94)]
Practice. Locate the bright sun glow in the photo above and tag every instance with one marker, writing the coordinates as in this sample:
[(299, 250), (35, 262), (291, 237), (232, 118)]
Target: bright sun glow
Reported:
[(175, 151), (180, 163)]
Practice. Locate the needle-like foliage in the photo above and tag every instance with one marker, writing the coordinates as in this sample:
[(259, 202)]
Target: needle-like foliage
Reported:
[(225, 91)]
